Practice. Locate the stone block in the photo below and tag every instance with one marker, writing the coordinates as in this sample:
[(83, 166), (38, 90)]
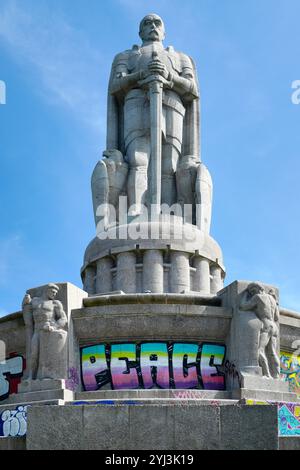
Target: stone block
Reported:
[(249, 428), (289, 443), (54, 428), (13, 443), (106, 427), (152, 427), (196, 428)]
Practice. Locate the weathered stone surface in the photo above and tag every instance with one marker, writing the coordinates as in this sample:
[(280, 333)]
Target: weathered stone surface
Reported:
[(54, 427), (13, 443), (289, 443), (152, 427), (42, 395), (249, 428), (147, 321), (202, 396)]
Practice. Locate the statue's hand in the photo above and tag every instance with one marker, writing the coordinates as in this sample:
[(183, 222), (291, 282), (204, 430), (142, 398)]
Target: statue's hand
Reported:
[(155, 78), (156, 66), (48, 327)]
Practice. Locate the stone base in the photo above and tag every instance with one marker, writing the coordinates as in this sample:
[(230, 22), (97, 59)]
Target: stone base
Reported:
[(264, 395), (154, 397), (152, 427), (255, 387), (154, 394), (41, 390), (289, 443), (13, 443)]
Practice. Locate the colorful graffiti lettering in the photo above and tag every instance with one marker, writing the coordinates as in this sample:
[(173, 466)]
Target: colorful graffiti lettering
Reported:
[(163, 365), (289, 419), (288, 416), (13, 423), (290, 370), (11, 372), (73, 379)]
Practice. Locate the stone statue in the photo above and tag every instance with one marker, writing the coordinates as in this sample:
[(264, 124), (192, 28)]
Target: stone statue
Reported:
[(265, 306), (108, 184), (46, 335), (131, 121), (151, 187)]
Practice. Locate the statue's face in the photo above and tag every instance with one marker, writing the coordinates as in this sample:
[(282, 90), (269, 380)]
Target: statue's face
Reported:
[(52, 293), (152, 29), (253, 291)]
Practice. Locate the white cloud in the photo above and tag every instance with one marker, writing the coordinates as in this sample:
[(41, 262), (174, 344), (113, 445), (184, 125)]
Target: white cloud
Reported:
[(67, 66)]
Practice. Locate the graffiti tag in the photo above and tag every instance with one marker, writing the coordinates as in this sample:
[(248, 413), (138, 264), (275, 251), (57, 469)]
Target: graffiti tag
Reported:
[(164, 365), (13, 423), (11, 372)]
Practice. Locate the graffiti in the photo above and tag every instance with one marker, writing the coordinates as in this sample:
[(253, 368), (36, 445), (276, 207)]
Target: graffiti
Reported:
[(11, 372), (163, 365), (288, 416), (73, 379), (232, 374), (13, 423), (290, 370), (108, 402), (289, 419), (185, 394)]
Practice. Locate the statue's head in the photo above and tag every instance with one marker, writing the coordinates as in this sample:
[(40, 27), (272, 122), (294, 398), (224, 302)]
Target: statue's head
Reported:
[(152, 28), (52, 291), (255, 288)]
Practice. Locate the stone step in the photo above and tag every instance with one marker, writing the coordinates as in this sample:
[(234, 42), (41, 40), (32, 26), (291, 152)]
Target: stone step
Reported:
[(264, 395), (154, 401), (153, 394)]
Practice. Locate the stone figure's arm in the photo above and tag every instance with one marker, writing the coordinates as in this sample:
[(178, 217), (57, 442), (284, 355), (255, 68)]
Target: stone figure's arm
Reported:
[(277, 314), (248, 304), (61, 317), (185, 83), (185, 86), (121, 79), (27, 310)]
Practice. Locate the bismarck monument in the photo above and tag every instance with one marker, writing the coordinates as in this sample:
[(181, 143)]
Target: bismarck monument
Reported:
[(154, 352)]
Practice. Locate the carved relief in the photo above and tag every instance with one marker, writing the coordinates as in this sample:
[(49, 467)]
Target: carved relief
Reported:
[(265, 305), (46, 335)]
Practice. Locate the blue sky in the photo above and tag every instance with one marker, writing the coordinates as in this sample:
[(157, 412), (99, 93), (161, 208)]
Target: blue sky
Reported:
[(55, 58)]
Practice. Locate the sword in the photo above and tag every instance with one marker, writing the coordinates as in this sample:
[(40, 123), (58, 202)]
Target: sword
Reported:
[(155, 83)]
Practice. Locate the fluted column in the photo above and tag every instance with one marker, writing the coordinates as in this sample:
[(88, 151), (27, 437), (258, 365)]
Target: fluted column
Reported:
[(180, 272), (126, 272), (104, 276), (89, 280), (153, 271), (216, 283), (202, 275)]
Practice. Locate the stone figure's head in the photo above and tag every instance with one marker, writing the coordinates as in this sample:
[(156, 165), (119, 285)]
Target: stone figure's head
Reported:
[(26, 300), (272, 292), (52, 291), (152, 28), (255, 288)]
